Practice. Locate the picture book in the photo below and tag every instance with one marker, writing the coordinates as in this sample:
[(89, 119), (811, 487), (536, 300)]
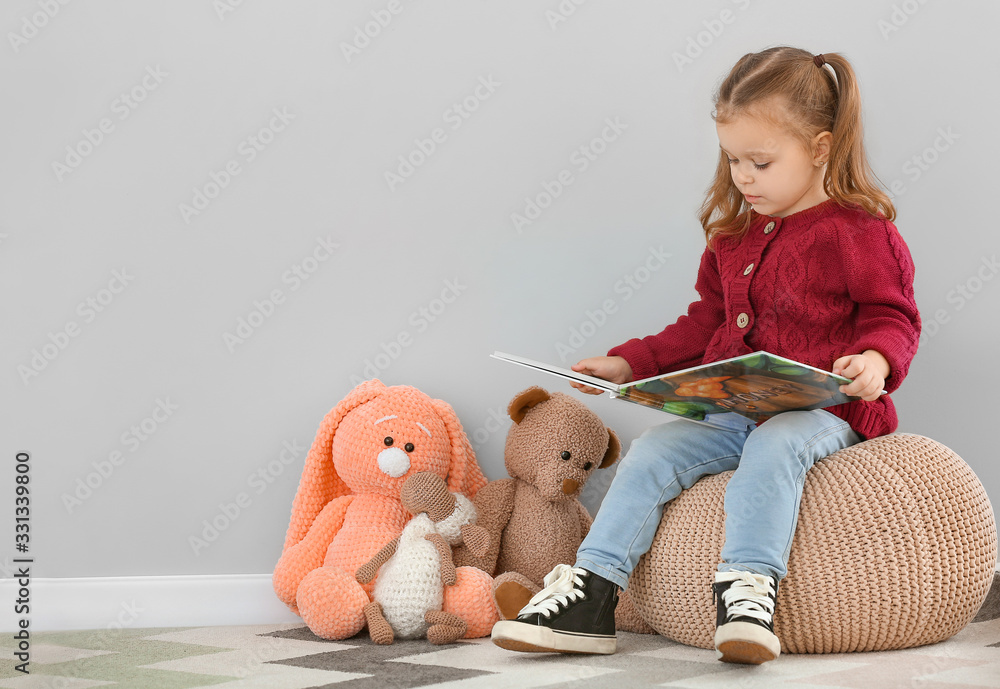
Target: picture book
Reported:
[(753, 386)]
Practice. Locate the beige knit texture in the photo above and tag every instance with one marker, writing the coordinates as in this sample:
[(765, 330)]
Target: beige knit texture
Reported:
[(895, 547)]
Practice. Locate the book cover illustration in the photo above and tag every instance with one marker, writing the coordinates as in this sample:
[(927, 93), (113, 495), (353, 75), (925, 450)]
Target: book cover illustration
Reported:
[(755, 386)]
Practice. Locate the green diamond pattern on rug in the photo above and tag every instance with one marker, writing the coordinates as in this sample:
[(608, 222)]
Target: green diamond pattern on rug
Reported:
[(126, 651), (252, 657), (291, 657)]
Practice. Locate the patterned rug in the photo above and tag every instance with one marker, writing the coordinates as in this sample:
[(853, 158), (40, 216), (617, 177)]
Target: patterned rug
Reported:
[(290, 657)]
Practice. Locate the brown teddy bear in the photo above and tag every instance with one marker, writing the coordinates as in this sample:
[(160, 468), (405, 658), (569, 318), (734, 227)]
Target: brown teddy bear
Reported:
[(535, 518)]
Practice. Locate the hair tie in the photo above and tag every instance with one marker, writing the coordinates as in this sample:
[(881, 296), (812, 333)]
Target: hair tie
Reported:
[(819, 60)]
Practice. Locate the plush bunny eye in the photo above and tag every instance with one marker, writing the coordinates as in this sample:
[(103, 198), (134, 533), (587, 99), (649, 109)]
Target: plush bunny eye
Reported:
[(564, 454), (388, 440), (586, 467), (408, 447)]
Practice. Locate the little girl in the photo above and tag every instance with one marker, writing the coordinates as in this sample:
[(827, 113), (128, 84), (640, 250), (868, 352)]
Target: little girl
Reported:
[(803, 260)]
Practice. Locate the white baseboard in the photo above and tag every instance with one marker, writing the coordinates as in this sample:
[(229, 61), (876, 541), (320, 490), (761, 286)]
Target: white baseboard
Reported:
[(157, 601), (147, 602)]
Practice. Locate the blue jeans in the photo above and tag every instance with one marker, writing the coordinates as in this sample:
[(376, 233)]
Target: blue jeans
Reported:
[(762, 497)]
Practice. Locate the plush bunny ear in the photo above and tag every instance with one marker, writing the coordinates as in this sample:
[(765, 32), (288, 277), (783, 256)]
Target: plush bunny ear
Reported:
[(524, 401), (464, 474), (320, 483), (613, 451)]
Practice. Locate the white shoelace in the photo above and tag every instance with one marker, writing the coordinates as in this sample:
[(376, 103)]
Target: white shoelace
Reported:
[(562, 585), (750, 596)]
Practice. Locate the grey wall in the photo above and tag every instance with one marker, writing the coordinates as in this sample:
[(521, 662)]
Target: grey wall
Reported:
[(121, 309)]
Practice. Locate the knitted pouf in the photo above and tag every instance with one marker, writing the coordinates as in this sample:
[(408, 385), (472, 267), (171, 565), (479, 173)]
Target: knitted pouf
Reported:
[(895, 547)]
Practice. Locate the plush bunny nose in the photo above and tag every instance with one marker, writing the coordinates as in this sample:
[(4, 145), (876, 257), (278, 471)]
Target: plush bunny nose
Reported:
[(393, 461), (569, 486)]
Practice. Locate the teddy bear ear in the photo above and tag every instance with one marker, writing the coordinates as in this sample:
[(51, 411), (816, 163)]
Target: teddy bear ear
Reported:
[(524, 401), (613, 451)]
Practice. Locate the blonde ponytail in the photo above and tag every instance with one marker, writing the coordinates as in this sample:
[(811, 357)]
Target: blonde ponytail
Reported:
[(849, 178)]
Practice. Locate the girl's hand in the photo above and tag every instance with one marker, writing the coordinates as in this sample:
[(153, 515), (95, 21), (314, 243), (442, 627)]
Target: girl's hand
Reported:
[(611, 368), (868, 370)]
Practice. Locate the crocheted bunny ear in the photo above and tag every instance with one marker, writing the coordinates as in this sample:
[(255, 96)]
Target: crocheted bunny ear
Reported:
[(464, 474), (320, 483)]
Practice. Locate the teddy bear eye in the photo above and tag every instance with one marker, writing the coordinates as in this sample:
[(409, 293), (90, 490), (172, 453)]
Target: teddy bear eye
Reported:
[(564, 454), (388, 440), (408, 447)]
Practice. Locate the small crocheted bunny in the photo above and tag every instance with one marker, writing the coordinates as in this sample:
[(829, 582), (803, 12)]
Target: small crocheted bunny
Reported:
[(417, 565)]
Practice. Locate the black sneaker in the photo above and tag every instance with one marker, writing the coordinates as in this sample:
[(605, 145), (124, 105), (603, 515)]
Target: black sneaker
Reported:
[(744, 626), (574, 613)]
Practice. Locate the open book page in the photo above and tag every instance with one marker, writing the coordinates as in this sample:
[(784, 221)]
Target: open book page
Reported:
[(557, 371), (751, 387), (755, 386)]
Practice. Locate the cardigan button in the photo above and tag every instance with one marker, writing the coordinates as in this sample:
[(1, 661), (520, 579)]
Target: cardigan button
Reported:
[(769, 227), (742, 320), (747, 270)]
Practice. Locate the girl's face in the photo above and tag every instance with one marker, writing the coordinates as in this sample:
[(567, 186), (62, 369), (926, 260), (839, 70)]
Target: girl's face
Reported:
[(773, 170)]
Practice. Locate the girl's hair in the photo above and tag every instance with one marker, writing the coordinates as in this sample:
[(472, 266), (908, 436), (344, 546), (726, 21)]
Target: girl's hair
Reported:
[(785, 87)]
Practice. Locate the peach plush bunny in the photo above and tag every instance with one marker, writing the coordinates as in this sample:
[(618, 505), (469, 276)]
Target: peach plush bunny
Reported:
[(348, 506)]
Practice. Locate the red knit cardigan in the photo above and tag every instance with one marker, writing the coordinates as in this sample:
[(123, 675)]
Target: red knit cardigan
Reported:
[(813, 286)]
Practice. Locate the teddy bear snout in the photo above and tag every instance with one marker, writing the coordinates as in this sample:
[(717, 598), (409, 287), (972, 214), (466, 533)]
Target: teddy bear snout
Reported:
[(569, 486), (393, 462)]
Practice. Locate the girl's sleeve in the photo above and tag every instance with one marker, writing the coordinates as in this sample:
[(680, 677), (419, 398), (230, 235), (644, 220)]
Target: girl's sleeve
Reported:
[(682, 344), (879, 271)]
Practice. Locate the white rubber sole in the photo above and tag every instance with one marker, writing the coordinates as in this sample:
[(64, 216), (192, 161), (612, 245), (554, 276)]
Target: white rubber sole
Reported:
[(530, 638), (745, 642)]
